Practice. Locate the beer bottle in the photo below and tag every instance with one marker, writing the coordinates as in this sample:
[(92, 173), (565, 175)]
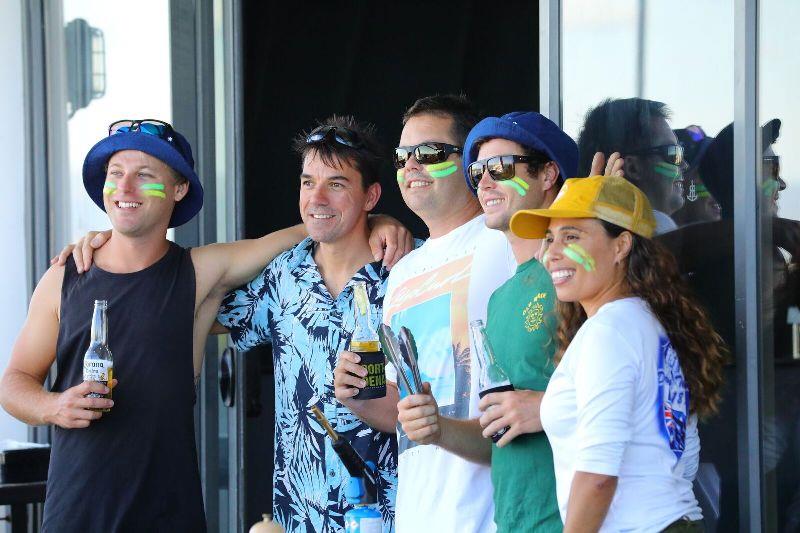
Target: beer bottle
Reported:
[(492, 377), (98, 364), (365, 343)]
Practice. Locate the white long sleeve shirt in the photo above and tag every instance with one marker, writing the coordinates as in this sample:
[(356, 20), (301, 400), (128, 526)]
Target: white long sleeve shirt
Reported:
[(618, 405)]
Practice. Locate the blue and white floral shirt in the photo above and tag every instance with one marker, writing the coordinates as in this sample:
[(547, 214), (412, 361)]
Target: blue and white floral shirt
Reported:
[(289, 306)]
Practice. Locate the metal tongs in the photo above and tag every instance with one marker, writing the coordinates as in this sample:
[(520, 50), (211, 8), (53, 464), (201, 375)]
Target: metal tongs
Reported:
[(402, 354), (410, 355)]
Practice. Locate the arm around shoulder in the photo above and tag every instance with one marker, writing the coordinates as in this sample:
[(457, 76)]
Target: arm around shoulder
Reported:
[(233, 264)]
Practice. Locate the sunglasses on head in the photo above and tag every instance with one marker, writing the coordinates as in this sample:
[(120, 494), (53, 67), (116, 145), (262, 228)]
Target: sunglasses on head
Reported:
[(499, 167), (336, 134), (671, 153), (158, 128), (425, 153), (148, 126)]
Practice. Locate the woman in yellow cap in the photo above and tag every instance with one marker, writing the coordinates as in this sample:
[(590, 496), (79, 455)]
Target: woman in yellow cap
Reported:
[(639, 362)]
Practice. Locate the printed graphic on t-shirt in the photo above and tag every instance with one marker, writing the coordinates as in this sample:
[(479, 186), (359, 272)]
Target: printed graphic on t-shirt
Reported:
[(673, 398), (534, 312), (433, 306)]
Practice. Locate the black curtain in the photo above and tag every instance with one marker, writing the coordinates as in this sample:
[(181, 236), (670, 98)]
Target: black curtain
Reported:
[(307, 60)]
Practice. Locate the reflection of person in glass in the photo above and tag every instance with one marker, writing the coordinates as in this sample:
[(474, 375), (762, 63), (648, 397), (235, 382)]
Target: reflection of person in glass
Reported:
[(638, 129), (639, 363), (699, 204), (706, 254)]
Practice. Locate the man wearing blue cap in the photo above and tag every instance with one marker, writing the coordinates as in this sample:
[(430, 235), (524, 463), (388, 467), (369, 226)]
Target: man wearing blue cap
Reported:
[(514, 162), (134, 467), (519, 161)]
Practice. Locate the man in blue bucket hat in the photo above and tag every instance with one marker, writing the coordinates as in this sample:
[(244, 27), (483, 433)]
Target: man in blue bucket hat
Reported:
[(519, 161), (130, 463)]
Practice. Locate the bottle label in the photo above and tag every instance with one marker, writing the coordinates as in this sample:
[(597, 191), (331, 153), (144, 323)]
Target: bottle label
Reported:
[(356, 522), (97, 370)]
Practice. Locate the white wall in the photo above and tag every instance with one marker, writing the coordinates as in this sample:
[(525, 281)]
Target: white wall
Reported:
[(13, 288)]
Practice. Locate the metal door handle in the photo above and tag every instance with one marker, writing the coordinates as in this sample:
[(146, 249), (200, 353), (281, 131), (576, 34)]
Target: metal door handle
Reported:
[(227, 376)]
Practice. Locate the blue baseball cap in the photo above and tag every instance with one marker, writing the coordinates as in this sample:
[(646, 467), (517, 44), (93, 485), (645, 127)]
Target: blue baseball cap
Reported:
[(170, 147), (530, 129)]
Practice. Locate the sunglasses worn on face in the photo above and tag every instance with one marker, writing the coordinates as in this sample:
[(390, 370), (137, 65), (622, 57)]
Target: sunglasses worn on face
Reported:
[(771, 166), (671, 153), (425, 153), (500, 167), (336, 134)]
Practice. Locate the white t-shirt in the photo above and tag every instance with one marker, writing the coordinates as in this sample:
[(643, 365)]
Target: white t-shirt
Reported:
[(435, 291), (617, 405)]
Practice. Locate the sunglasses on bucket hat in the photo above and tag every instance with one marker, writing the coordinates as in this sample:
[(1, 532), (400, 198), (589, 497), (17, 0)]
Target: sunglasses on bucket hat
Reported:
[(428, 153), (148, 126), (499, 167), (336, 134)]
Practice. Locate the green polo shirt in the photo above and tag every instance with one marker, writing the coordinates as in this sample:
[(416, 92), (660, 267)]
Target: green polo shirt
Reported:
[(521, 327)]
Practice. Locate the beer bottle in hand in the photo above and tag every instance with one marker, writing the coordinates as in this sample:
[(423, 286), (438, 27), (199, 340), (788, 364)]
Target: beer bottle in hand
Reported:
[(98, 364), (365, 343), (492, 378)]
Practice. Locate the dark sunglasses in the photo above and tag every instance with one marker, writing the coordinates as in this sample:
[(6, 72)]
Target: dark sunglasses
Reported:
[(671, 153), (336, 134), (500, 167), (771, 166), (149, 126), (425, 153), (158, 128)]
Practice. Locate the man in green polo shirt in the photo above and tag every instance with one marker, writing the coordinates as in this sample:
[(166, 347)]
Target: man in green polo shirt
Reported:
[(518, 161)]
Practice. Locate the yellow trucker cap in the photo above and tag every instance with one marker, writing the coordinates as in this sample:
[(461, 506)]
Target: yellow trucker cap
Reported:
[(609, 198)]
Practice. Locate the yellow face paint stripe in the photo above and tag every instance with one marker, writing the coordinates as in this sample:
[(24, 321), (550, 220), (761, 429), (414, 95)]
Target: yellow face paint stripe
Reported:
[(157, 194), (439, 166)]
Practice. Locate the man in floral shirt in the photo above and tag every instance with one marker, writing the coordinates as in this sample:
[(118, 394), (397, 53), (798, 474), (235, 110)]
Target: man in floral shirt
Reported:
[(302, 304)]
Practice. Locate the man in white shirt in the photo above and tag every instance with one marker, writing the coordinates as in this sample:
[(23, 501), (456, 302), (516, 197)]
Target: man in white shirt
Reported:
[(444, 486)]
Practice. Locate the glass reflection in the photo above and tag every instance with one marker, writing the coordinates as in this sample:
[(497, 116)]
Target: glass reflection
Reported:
[(644, 110)]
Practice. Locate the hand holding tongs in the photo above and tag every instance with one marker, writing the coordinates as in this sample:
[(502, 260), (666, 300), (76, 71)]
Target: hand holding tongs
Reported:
[(410, 354), (394, 353)]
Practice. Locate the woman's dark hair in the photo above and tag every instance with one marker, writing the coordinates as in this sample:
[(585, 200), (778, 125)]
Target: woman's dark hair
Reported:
[(652, 275)]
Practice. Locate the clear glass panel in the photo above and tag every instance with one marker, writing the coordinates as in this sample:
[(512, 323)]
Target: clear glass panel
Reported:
[(779, 184), (116, 65), (642, 54)]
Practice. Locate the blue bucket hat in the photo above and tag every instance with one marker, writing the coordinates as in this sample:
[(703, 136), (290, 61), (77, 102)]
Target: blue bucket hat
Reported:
[(531, 130), (173, 150)]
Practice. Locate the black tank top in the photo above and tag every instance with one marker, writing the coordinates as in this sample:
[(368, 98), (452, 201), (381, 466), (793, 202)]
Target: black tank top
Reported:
[(134, 469)]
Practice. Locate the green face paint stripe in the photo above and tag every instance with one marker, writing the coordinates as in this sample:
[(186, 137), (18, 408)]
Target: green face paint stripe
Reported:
[(578, 254), (109, 185), (152, 187), (443, 173), (545, 257), (521, 182), (514, 185), (401, 175), (439, 166), (157, 194), (769, 187), (668, 170)]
